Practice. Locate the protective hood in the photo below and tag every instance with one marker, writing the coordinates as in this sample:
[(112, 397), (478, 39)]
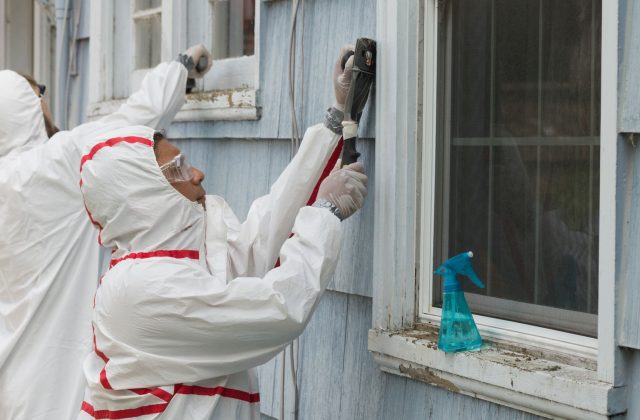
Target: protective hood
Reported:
[(21, 119), (131, 202)]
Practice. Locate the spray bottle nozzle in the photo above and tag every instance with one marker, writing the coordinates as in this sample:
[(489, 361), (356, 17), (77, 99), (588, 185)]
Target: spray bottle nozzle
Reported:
[(460, 264)]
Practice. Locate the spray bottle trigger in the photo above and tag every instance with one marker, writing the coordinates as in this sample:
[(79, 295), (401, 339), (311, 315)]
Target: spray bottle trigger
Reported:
[(460, 264)]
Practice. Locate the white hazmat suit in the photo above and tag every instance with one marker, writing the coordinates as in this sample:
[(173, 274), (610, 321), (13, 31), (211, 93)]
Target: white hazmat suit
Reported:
[(192, 303), (48, 248)]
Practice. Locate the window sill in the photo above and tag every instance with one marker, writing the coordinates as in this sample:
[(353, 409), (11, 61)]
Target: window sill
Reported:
[(217, 105), (508, 376)]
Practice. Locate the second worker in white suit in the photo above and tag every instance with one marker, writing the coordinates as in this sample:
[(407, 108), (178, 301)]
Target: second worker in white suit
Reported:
[(192, 303), (48, 249)]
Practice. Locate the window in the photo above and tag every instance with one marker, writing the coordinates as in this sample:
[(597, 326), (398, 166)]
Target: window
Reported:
[(130, 38), (517, 166), (227, 28), (147, 22), (28, 41), (17, 38), (233, 23), (535, 364)]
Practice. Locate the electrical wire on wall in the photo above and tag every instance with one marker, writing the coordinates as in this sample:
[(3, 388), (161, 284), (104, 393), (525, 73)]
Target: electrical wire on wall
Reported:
[(297, 6), (71, 65)]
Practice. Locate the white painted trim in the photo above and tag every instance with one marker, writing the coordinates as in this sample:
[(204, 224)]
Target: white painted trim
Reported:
[(174, 28), (396, 154), (607, 303), (585, 385), (505, 377), (429, 140), (101, 52), (228, 105), (146, 13), (232, 73)]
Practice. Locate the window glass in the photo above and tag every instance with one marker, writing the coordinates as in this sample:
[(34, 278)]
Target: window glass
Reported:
[(233, 24), (147, 18), (518, 167)]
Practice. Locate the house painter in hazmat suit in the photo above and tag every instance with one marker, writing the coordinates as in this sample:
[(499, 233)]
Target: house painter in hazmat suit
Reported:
[(192, 302), (48, 248)]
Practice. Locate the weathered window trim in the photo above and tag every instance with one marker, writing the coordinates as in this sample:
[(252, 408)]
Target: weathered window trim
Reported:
[(230, 105), (234, 90), (405, 136), (506, 376)]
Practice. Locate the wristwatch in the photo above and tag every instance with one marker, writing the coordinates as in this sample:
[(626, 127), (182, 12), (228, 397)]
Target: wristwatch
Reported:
[(186, 61), (333, 120), (326, 204)]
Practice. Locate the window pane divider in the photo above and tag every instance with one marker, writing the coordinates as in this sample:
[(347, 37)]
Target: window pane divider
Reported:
[(526, 141), (147, 13)]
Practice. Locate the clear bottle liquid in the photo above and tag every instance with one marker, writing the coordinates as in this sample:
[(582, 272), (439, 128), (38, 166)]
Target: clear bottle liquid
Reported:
[(458, 331)]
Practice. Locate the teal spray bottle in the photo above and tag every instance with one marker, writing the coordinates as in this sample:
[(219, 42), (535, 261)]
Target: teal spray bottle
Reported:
[(458, 331)]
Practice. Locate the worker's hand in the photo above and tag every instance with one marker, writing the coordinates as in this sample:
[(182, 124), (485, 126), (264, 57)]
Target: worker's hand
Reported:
[(197, 59), (342, 77), (345, 188)]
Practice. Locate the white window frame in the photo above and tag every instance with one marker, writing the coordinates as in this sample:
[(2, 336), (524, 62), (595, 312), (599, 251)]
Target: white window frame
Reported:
[(428, 313), (585, 380), (230, 89), (138, 74)]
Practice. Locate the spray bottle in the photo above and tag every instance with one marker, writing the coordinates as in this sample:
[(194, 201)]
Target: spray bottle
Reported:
[(458, 331)]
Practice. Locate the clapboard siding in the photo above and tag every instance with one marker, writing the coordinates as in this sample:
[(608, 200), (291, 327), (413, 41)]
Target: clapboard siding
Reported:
[(337, 376), (327, 26), (339, 380), (628, 99), (243, 170)]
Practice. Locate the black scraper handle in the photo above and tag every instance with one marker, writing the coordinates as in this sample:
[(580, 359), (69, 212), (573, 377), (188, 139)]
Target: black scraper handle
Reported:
[(349, 153), (201, 66)]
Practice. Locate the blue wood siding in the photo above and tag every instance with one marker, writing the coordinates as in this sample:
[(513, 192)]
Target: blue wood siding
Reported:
[(327, 26), (628, 100), (337, 376), (339, 380), (243, 170)]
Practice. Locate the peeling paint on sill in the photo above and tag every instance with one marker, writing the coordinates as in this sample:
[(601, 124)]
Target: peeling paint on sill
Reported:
[(222, 105), (426, 375), (501, 374)]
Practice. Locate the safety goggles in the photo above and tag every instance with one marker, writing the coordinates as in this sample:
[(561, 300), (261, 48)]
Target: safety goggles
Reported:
[(178, 169)]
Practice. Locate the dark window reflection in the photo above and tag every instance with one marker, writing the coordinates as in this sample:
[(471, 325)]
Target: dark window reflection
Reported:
[(521, 185)]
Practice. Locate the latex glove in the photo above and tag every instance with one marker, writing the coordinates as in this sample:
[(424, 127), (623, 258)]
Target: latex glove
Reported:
[(342, 78), (191, 58), (345, 188)]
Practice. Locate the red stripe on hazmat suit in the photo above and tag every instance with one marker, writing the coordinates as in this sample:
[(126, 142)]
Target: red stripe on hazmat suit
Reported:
[(198, 328)]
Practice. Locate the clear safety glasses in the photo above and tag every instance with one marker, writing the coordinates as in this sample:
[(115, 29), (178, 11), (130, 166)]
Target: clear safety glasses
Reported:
[(178, 169)]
